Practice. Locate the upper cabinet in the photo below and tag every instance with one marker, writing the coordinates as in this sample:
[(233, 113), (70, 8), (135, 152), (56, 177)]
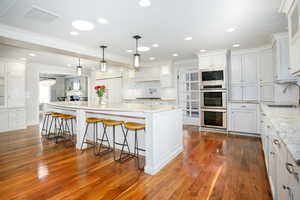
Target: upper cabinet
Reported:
[(212, 59), (281, 58), (292, 9)]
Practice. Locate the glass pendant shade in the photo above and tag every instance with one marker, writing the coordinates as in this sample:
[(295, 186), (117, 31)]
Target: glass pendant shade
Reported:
[(79, 70), (103, 66), (136, 60)]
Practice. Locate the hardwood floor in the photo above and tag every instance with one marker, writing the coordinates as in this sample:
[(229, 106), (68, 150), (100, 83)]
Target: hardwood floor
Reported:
[(212, 166)]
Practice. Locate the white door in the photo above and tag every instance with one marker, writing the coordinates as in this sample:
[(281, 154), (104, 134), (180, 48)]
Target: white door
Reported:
[(250, 68), (236, 69), (236, 92), (250, 92), (243, 121), (15, 85)]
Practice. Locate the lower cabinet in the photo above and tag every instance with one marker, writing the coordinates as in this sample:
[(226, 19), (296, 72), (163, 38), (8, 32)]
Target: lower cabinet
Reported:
[(283, 172), (243, 118), (12, 119)]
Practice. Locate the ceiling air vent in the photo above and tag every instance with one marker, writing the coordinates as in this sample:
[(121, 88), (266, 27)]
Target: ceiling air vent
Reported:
[(41, 15)]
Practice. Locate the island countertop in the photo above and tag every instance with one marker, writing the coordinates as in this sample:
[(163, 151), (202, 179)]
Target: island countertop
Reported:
[(122, 107)]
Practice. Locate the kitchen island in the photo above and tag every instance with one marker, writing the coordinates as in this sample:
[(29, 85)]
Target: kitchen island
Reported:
[(162, 138)]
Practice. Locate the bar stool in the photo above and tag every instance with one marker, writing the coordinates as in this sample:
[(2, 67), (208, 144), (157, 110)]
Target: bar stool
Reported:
[(46, 117), (114, 123), (94, 121), (65, 131), (135, 127), (55, 117)]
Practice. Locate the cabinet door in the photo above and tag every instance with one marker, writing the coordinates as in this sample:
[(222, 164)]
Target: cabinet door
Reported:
[(236, 69), (15, 85), (218, 60), (266, 67), (3, 120), (244, 121), (250, 68), (16, 119), (236, 92), (166, 81), (272, 168), (2, 84), (250, 92), (204, 61), (267, 92), (293, 178)]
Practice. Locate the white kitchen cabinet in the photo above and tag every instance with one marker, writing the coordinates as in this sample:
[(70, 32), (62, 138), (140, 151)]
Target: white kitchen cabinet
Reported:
[(3, 120), (281, 58), (267, 92), (2, 84), (16, 118), (244, 77), (250, 68), (15, 85), (243, 118), (266, 67), (212, 59)]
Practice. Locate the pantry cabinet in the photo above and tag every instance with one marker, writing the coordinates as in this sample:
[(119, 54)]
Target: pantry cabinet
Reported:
[(217, 58)]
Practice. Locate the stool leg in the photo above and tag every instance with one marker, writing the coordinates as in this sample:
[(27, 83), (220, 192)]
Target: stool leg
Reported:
[(43, 127), (102, 139), (114, 142), (61, 130), (68, 132), (86, 130), (72, 129), (47, 123), (94, 135), (125, 143)]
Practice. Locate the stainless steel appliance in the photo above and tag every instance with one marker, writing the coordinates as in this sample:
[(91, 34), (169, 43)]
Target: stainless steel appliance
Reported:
[(214, 118), (213, 99), (213, 77)]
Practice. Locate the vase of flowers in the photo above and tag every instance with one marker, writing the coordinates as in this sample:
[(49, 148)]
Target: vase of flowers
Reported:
[(100, 91)]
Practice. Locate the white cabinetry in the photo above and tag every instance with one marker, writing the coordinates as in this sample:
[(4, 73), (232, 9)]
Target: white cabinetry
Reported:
[(281, 58), (212, 59), (3, 120), (145, 74), (166, 78), (266, 73), (243, 118), (15, 85), (244, 77)]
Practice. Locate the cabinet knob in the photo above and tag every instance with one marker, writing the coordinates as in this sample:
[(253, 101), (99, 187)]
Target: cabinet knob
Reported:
[(290, 168), (272, 153), (275, 141), (290, 191)]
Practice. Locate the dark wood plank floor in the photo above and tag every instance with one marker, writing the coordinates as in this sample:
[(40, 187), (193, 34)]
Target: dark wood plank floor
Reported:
[(212, 166)]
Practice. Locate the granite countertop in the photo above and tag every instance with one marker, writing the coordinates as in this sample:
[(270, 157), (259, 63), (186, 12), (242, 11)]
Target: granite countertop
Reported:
[(286, 122), (122, 107)]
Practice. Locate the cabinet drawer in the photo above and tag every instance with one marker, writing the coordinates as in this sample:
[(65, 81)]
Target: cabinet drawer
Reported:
[(243, 106)]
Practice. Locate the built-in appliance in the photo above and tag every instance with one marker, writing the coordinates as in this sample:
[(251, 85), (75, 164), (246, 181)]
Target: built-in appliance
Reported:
[(213, 118), (213, 99), (213, 77)]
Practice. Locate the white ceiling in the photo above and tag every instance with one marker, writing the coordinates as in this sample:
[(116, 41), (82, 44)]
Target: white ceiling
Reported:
[(44, 58), (166, 22)]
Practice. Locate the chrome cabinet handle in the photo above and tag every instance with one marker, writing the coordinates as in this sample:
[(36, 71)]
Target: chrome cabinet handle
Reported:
[(272, 153), (290, 168), (275, 141), (290, 191)]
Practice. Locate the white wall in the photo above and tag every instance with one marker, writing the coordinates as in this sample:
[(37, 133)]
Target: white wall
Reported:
[(32, 87)]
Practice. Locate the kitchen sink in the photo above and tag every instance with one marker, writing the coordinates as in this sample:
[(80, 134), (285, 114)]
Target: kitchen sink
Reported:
[(282, 106)]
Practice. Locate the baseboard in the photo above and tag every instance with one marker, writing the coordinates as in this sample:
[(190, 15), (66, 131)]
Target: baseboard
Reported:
[(245, 134), (15, 129), (165, 161)]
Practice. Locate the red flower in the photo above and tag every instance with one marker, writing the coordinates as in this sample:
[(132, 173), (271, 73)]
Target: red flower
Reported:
[(99, 87)]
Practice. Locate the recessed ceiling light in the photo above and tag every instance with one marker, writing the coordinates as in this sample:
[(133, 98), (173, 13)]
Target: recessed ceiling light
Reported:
[(155, 45), (203, 50), (152, 58), (102, 20), (23, 59), (83, 25), (74, 33), (143, 48), (229, 30), (69, 65), (32, 54), (145, 3), (188, 38), (236, 45), (175, 54), (129, 51)]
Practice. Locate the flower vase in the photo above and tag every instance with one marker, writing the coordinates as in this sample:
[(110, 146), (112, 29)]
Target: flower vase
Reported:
[(100, 101)]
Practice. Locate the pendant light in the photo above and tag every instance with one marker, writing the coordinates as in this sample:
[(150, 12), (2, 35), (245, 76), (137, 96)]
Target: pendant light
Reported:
[(103, 64), (79, 68), (136, 56)]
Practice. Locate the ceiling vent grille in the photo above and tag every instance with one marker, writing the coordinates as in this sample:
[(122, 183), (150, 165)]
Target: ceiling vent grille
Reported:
[(41, 15)]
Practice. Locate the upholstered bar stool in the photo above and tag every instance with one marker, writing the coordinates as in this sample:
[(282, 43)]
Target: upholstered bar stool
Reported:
[(94, 121), (132, 126), (113, 124), (46, 117), (55, 118), (65, 132)]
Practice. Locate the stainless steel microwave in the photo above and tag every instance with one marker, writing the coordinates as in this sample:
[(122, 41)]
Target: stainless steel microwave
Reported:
[(213, 77)]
